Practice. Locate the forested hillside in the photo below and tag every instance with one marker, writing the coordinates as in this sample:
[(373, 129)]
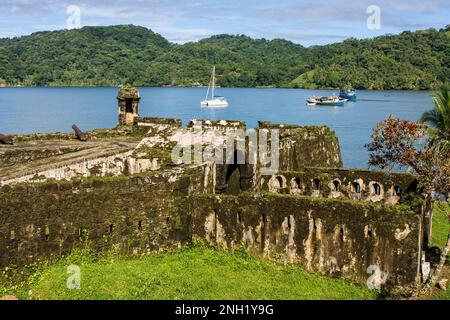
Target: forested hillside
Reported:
[(103, 56)]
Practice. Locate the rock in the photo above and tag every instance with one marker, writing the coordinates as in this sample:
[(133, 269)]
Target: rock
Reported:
[(9, 298), (442, 284)]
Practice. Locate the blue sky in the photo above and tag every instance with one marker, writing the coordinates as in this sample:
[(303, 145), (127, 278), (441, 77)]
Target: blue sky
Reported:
[(307, 22)]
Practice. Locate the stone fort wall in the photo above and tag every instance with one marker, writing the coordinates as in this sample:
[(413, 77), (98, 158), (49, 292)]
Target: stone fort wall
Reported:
[(312, 212), (137, 215), (336, 238)]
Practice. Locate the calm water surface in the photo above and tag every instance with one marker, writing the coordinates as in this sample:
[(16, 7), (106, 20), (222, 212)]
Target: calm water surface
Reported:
[(28, 110)]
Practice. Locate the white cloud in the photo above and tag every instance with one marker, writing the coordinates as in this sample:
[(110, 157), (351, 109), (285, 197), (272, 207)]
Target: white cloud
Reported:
[(189, 20)]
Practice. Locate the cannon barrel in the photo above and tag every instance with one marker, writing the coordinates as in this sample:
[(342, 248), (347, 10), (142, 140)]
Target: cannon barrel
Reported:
[(5, 139), (80, 134)]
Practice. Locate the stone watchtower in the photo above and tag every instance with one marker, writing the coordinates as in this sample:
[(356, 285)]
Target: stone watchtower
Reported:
[(128, 98)]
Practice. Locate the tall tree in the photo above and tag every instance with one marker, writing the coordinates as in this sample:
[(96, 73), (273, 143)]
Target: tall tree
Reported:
[(404, 143)]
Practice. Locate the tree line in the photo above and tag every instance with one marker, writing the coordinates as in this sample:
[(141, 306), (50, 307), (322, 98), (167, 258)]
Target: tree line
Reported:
[(109, 56)]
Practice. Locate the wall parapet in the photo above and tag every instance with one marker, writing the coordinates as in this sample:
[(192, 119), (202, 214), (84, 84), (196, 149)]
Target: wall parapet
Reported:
[(143, 121), (95, 134), (217, 124)]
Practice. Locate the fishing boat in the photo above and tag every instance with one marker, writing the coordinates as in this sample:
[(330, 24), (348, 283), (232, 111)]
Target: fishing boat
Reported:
[(333, 101), (348, 94), (214, 101)]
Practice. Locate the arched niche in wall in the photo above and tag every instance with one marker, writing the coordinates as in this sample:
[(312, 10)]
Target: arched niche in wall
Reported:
[(235, 175)]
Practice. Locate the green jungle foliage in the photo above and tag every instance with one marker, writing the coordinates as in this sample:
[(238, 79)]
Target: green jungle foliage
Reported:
[(108, 56)]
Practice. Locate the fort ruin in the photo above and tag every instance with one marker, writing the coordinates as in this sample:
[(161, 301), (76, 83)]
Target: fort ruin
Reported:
[(121, 189)]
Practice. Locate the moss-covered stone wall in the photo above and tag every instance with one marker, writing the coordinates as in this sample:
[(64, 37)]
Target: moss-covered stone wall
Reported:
[(92, 135), (143, 121), (135, 214), (309, 146), (335, 237)]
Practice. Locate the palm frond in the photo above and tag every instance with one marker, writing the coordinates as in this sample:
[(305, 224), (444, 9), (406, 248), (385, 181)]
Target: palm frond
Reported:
[(433, 118), (442, 106), (439, 117)]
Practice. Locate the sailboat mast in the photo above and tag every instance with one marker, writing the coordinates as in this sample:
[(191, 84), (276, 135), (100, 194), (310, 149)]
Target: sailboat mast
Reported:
[(213, 81)]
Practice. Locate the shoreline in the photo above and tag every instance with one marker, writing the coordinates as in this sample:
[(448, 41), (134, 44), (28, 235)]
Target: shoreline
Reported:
[(202, 87)]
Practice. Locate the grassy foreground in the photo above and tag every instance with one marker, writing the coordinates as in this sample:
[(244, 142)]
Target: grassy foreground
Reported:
[(440, 224), (440, 234), (194, 273)]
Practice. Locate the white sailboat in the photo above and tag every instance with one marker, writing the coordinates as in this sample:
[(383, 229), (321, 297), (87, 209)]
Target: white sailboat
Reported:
[(214, 101)]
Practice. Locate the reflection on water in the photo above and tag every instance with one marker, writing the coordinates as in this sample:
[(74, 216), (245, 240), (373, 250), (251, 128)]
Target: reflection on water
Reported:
[(27, 110)]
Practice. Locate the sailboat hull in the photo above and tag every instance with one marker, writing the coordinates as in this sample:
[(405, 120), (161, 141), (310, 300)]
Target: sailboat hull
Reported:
[(214, 103)]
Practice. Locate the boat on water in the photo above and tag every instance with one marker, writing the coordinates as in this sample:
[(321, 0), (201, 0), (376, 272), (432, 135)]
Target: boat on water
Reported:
[(333, 101), (214, 101), (349, 94)]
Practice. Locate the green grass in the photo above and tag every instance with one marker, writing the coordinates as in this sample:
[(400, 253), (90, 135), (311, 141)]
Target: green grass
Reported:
[(445, 295), (440, 233), (193, 273), (440, 224)]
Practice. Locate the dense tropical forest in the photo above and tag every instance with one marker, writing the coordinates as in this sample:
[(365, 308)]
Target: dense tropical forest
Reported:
[(104, 56)]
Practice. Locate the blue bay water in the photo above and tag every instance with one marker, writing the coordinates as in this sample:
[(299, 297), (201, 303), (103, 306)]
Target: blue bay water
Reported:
[(29, 110)]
